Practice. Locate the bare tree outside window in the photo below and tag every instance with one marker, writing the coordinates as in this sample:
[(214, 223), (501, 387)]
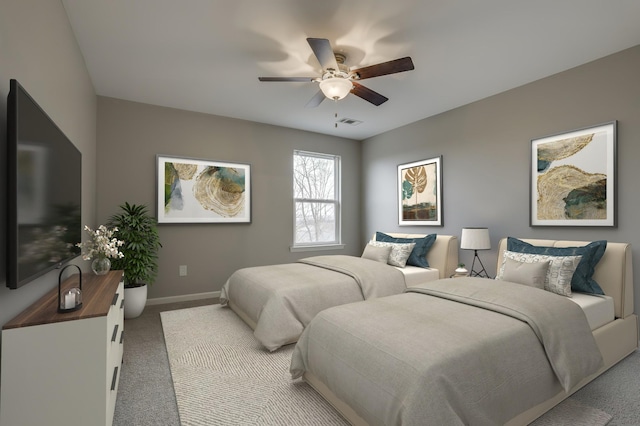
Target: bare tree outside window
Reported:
[(316, 182)]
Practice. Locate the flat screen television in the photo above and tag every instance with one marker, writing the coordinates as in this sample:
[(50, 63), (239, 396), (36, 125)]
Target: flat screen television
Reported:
[(44, 191)]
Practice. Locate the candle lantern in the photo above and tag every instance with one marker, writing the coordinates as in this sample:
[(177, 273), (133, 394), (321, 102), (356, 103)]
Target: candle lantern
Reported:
[(69, 300)]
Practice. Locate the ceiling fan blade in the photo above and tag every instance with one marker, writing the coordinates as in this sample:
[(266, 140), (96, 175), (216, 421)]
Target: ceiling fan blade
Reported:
[(316, 100), (368, 95), (385, 68), (302, 79), (322, 49)]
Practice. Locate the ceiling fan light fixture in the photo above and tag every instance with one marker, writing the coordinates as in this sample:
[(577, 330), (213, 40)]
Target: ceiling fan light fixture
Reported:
[(338, 80), (336, 88)]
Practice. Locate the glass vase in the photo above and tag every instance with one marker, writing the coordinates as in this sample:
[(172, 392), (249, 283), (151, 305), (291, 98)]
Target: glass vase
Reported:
[(101, 265)]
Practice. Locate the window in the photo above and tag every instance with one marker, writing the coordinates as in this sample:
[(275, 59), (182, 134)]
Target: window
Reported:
[(316, 193)]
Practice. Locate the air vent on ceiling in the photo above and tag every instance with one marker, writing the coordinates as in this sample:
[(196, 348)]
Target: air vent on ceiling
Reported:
[(349, 121)]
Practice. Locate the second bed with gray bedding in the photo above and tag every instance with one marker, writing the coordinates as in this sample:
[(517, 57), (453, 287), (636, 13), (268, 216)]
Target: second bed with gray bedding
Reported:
[(278, 301)]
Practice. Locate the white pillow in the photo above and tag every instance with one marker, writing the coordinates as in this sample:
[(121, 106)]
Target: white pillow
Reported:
[(400, 252), (379, 254), (559, 274)]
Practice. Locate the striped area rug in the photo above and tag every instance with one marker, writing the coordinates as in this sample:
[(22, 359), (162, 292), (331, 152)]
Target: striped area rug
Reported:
[(223, 376)]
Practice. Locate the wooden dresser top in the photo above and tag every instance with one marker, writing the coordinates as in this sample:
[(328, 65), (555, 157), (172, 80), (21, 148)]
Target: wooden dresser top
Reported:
[(97, 297)]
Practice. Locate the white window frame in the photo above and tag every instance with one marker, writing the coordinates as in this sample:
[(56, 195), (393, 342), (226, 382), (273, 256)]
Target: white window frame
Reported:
[(336, 201)]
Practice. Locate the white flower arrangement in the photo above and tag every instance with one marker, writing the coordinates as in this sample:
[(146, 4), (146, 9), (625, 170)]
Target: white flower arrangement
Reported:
[(101, 244)]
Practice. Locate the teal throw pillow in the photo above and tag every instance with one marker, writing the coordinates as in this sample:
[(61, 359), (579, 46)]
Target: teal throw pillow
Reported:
[(418, 256), (582, 279)]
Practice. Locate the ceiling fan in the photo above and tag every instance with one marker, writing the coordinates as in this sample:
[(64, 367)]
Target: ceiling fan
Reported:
[(337, 81)]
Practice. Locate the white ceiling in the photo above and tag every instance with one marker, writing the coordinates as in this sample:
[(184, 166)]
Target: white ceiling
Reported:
[(207, 55)]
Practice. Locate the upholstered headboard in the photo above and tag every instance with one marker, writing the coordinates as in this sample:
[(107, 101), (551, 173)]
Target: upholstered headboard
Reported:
[(614, 272), (443, 254)]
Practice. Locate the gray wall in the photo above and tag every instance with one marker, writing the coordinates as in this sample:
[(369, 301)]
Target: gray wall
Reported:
[(486, 153), (37, 47), (130, 135)]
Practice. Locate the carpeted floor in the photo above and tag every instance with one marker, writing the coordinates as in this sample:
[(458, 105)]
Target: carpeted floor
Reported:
[(571, 412), (146, 394)]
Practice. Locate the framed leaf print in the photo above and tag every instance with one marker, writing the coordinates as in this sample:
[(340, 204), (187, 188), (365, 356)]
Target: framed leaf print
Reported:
[(573, 178), (201, 191), (420, 193)]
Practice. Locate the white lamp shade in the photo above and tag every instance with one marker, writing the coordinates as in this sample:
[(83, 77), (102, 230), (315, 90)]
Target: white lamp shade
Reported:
[(336, 88), (475, 239)]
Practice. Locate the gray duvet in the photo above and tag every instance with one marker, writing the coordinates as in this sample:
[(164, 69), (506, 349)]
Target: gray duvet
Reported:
[(281, 299), (462, 351)]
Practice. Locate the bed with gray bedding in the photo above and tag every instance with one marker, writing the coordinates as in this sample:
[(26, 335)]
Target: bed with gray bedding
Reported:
[(465, 350), (422, 372), (278, 301), (281, 299)]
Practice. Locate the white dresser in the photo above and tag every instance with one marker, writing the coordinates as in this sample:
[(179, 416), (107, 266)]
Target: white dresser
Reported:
[(63, 368)]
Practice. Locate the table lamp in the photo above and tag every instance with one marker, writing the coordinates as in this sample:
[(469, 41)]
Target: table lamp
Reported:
[(476, 239)]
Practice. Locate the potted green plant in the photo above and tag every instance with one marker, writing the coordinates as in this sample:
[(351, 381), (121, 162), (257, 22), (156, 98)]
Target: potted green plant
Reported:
[(139, 231), (461, 270)]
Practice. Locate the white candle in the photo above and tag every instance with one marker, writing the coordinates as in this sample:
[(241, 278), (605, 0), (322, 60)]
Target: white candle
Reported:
[(69, 301)]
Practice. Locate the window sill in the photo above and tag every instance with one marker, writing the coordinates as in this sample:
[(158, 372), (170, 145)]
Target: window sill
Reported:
[(319, 247)]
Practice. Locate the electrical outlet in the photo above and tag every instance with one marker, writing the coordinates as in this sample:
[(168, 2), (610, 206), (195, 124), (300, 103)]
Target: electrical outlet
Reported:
[(183, 270)]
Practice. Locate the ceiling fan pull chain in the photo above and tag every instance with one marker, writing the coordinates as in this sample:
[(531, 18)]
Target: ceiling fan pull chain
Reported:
[(335, 115)]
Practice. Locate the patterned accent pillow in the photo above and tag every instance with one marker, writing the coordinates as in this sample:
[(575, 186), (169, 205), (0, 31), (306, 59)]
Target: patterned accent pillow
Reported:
[(559, 274), (583, 277), (379, 254), (418, 256), (399, 252)]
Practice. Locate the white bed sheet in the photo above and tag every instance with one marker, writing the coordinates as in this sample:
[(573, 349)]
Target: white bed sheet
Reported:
[(414, 275), (598, 309)]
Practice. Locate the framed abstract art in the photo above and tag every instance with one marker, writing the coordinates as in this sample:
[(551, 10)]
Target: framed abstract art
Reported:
[(573, 178), (202, 191), (420, 193)]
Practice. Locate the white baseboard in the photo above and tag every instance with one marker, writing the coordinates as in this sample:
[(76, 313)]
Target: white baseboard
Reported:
[(183, 298)]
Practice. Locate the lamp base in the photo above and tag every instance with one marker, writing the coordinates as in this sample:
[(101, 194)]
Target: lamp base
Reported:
[(482, 272)]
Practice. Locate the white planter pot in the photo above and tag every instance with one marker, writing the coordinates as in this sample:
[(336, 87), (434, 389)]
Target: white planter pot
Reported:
[(135, 299)]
